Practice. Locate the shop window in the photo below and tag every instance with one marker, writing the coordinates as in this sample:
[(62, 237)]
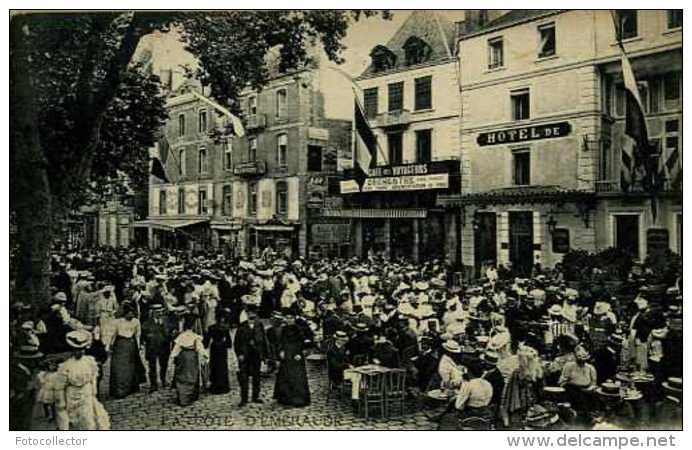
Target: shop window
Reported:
[(281, 198), (520, 104), (423, 146), (370, 102), (314, 158), (202, 202), (282, 150), (394, 141), (522, 167), (396, 96), (423, 98), (627, 21), (181, 201), (546, 34), (495, 53), (162, 202), (227, 200)]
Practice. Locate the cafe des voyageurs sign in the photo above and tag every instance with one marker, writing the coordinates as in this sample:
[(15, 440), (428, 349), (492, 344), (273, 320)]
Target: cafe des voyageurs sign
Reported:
[(524, 134), (405, 177)]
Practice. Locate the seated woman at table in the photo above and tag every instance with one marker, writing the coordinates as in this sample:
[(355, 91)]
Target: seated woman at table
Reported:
[(579, 378), (472, 400), (337, 358), (450, 371)]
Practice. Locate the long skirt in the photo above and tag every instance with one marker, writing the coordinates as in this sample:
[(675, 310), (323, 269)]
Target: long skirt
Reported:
[(218, 371), (291, 388), (187, 377), (127, 369)]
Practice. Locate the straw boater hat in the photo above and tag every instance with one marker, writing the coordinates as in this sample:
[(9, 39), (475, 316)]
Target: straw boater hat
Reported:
[(490, 357), (422, 285), (659, 333), (451, 346), (60, 297), (78, 339), (673, 386), (539, 417), (609, 389), (601, 308), (28, 351), (341, 336)]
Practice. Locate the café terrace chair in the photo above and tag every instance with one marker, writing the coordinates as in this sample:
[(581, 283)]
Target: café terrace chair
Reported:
[(395, 391), (372, 394)]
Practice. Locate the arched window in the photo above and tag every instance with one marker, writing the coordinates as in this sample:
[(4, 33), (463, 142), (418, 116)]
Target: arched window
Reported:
[(382, 58), (417, 51), (281, 198)]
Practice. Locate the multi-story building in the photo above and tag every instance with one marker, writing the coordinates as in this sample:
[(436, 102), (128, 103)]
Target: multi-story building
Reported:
[(410, 96), (284, 166), (265, 189), (542, 135)]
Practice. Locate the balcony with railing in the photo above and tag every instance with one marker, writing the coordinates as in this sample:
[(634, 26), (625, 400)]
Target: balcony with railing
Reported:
[(250, 168), (393, 119), (256, 122)]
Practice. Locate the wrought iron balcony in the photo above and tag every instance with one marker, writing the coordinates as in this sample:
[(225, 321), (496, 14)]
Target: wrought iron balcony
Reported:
[(398, 118), (250, 168), (256, 122)]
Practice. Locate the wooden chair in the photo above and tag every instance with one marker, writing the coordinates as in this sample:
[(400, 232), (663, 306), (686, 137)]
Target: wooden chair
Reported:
[(395, 391), (372, 394)]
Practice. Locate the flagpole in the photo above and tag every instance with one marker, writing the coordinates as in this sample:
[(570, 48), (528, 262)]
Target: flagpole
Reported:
[(356, 89)]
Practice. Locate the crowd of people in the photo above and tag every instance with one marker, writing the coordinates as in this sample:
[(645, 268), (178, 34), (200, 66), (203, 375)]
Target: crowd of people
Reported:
[(504, 350)]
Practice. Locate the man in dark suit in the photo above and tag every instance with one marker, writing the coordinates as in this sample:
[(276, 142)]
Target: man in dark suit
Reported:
[(156, 336), (251, 348)]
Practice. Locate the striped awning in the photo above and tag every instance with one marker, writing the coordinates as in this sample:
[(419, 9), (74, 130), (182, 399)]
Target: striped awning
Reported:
[(376, 213)]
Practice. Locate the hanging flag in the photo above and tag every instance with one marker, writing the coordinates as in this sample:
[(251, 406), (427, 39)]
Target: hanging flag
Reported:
[(158, 170), (238, 128), (365, 145)]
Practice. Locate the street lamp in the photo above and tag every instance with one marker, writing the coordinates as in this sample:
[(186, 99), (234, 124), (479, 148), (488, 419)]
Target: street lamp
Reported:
[(552, 223)]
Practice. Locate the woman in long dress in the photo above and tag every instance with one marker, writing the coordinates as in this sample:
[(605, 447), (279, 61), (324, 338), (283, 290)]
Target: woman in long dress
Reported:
[(523, 388), (188, 351), (127, 369), (291, 387), (77, 407), (218, 341)]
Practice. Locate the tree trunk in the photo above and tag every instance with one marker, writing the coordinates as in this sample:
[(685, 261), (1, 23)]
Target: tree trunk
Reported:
[(32, 195)]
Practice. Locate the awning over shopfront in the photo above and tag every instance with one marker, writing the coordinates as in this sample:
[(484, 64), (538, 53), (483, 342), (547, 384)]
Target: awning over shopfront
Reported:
[(168, 224), (273, 227), (376, 213), (515, 196), (225, 226)]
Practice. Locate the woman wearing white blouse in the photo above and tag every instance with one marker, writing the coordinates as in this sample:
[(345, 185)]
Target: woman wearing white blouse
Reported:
[(127, 369)]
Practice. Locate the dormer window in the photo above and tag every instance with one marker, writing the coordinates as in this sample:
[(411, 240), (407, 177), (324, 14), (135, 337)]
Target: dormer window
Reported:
[(417, 51), (382, 58)]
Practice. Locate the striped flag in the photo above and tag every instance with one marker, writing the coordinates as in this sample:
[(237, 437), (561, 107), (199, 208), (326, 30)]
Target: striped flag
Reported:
[(364, 146)]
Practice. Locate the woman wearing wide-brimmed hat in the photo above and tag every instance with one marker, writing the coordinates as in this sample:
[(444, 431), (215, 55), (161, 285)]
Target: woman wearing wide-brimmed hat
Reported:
[(127, 369), (77, 405)]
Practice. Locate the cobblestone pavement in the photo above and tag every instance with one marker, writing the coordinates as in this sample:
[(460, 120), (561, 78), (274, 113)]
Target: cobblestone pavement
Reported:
[(158, 410)]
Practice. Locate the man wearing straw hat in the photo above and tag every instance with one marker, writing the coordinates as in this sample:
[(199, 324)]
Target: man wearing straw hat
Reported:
[(23, 386)]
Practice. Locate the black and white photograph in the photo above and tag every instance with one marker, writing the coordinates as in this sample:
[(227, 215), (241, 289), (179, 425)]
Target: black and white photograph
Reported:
[(345, 220)]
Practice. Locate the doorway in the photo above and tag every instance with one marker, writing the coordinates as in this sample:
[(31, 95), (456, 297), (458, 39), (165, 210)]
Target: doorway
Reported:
[(484, 241), (521, 242), (627, 233)]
